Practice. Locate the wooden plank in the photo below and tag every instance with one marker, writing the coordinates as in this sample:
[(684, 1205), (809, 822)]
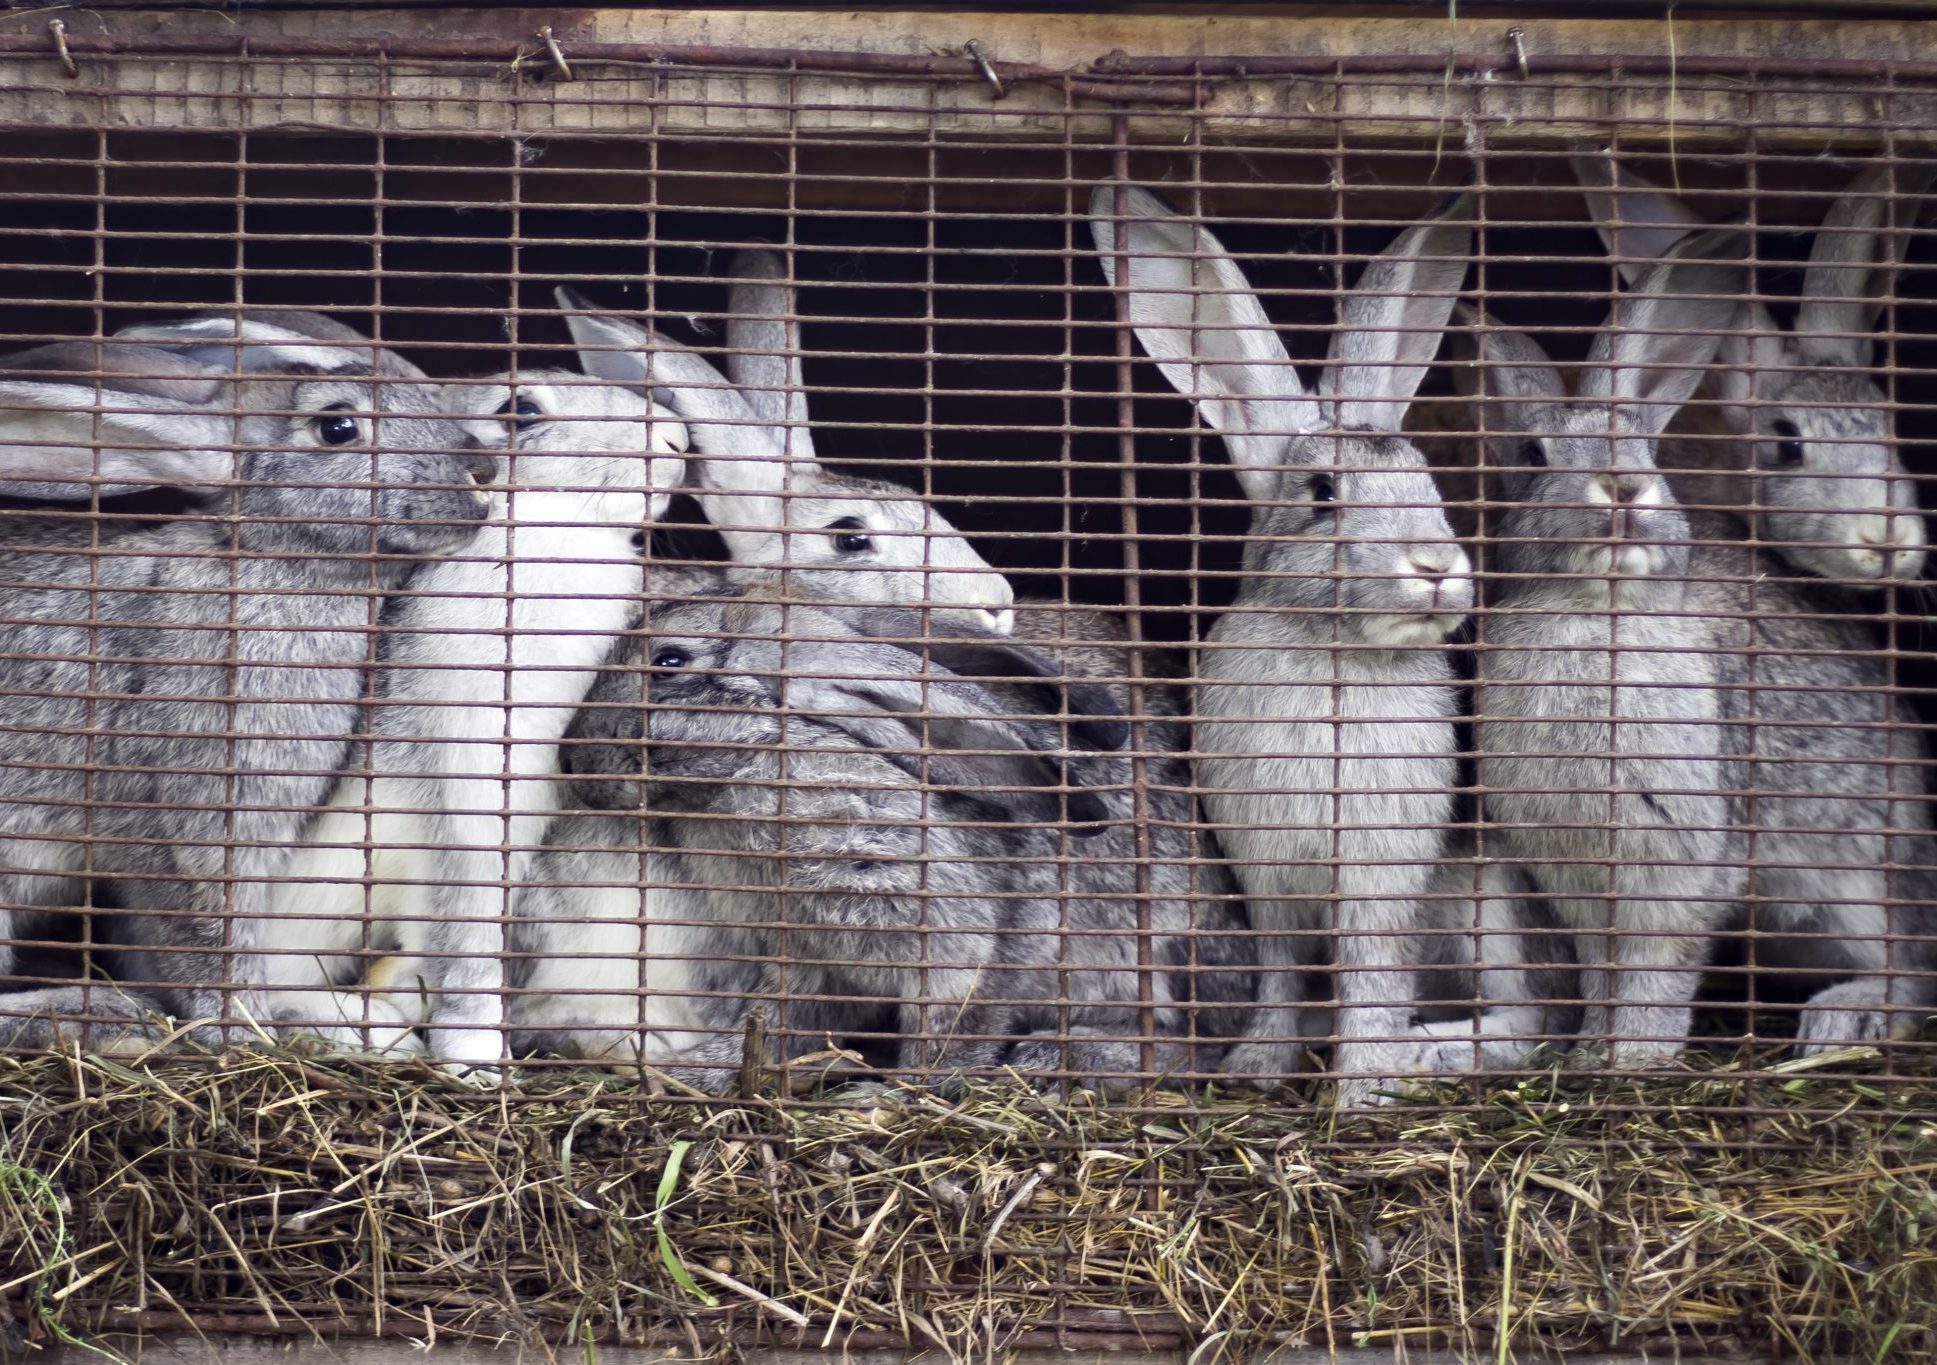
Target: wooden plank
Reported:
[(1581, 80)]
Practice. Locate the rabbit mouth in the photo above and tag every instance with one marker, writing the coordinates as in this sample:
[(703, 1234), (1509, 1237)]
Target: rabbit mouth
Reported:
[(1853, 565), (1418, 628), (1621, 561), (1873, 550)]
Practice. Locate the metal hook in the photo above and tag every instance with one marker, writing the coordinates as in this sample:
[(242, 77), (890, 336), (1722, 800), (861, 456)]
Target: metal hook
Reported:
[(973, 51), (1517, 40), (58, 27), (560, 67)]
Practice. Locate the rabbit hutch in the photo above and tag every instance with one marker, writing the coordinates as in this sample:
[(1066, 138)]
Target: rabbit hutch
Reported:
[(1205, 682)]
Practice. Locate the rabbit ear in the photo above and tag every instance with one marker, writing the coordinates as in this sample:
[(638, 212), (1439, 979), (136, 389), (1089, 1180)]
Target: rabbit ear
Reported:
[(1661, 337), (1095, 722), (1851, 263), (1759, 363), (1198, 318), (743, 467), (1394, 320), (227, 345), (1513, 380), (949, 734), (139, 419), (1638, 222), (763, 346), (1096, 719)]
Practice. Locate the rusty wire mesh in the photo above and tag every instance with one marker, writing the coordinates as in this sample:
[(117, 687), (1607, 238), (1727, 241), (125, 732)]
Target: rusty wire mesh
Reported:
[(1030, 878), (917, 873)]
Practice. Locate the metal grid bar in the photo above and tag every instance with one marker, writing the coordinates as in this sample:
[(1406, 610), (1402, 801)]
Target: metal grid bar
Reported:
[(962, 343)]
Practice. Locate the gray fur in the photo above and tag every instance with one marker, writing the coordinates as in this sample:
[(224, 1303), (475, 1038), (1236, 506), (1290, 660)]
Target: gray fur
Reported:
[(1218, 974), (1489, 916), (231, 641), (843, 909), (1832, 782), (1325, 711)]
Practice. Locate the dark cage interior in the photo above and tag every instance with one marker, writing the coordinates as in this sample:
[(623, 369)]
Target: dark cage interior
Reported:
[(957, 336)]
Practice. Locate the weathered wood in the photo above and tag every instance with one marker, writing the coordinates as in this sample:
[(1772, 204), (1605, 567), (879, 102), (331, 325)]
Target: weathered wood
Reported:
[(489, 75)]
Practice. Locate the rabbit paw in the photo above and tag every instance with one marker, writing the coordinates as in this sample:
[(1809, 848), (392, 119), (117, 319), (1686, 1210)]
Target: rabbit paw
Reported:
[(1374, 1074), (345, 1021), (1107, 1066), (472, 1055), (1370, 1092), (1453, 1047), (1850, 1014), (1594, 1054), (708, 1080), (1262, 1064)]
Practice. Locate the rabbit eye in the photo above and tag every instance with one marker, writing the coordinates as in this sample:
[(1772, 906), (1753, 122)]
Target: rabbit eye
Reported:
[(523, 411), (671, 658), (1789, 452), (1533, 454), (1323, 489), (335, 427), (851, 544)]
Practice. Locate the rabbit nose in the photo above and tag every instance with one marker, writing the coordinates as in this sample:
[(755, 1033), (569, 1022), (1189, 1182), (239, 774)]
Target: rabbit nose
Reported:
[(1001, 622), (482, 468), (1890, 547), (1622, 490), (1433, 562), (1898, 532)]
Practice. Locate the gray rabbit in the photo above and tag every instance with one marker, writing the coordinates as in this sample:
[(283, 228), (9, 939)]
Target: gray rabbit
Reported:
[(1832, 782), (229, 647), (1325, 711), (1823, 764), (1834, 776), (1604, 754), (1216, 956), (763, 358), (1822, 467), (810, 826)]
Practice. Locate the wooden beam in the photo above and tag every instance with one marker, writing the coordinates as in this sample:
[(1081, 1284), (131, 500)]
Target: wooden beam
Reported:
[(1699, 83)]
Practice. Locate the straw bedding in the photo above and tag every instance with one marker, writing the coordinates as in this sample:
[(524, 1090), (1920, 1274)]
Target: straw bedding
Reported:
[(1788, 1209)]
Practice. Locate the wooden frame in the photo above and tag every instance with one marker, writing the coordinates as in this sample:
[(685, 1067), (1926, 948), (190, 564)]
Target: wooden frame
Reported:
[(1817, 81)]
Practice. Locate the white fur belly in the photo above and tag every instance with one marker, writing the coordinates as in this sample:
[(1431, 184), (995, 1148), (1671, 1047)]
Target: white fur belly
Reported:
[(615, 975), (327, 908)]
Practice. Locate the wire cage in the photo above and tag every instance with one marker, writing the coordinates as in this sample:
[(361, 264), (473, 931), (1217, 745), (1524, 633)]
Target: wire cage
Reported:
[(1013, 667)]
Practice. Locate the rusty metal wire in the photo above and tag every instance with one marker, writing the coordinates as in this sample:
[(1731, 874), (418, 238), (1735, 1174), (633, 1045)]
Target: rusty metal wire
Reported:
[(942, 292)]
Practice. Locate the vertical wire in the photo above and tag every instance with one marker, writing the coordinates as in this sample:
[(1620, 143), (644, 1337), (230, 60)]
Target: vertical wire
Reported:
[(1133, 607)]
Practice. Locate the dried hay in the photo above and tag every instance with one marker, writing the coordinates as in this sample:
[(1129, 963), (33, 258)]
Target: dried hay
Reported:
[(1784, 1209)]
